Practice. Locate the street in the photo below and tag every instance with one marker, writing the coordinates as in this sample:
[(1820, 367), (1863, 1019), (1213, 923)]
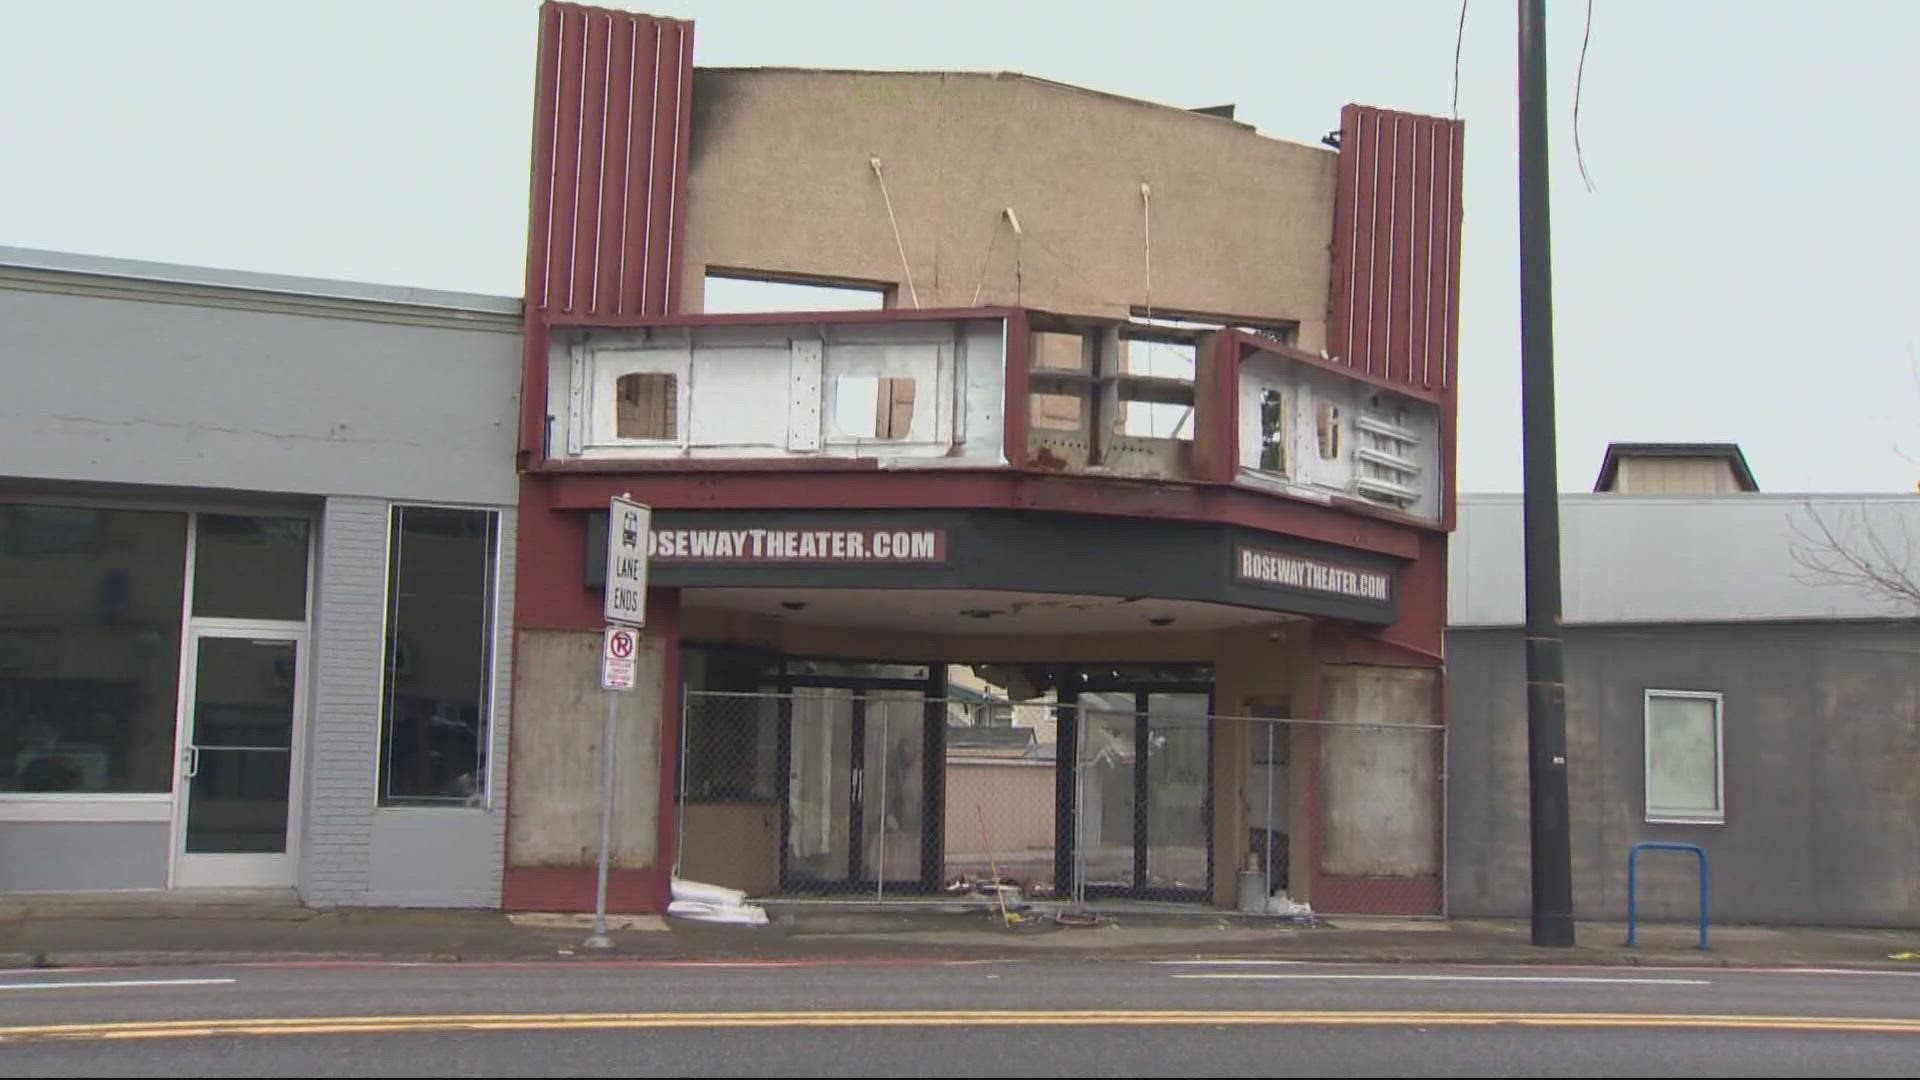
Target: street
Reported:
[(1005, 1018)]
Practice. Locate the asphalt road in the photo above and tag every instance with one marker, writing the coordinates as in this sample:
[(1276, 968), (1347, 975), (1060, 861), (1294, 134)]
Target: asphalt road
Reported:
[(1090, 1017)]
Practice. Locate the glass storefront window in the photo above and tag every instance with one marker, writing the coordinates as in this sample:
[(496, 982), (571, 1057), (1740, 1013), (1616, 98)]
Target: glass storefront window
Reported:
[(90, 605), (731, 746), (247, 567), (439, 655)]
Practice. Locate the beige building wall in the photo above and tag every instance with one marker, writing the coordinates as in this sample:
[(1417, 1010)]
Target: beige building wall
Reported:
[(1380, 787), (1675, 476), (1264, 673), (1016, 800), (780, 184), (553, 816)]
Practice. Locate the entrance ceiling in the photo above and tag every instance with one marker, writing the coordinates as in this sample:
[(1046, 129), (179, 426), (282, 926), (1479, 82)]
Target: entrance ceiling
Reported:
[(953, 611)]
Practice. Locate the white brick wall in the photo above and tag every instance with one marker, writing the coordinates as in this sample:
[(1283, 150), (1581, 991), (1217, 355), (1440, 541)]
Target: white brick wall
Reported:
[(343, 721), (502, 707)]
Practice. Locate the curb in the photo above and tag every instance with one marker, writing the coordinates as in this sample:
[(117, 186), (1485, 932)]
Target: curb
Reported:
[(59, 960)]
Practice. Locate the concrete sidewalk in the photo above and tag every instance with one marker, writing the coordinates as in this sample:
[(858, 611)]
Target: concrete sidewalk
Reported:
[(132, 929)]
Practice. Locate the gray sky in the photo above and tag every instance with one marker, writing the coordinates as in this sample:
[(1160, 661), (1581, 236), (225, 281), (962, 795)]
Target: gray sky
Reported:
[(1743, 272)]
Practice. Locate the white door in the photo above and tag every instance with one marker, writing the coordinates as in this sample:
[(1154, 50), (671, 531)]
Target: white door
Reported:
[(237, 801)]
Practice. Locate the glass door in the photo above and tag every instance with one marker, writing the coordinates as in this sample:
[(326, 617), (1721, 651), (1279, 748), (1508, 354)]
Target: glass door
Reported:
[(1143, 794), (893, 790), (855, 807), (1109, 792), (1178, 821), (236, 800), (822, 791)]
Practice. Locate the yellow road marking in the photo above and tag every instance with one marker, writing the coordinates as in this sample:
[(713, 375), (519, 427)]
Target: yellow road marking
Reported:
[(639, 1021)]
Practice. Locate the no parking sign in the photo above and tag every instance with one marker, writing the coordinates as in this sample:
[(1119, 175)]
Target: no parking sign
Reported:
[(617, 658)]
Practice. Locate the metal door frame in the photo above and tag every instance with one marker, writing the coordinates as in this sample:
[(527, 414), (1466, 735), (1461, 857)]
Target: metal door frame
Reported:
[(238, 869), (1068, 811), (857, 881)]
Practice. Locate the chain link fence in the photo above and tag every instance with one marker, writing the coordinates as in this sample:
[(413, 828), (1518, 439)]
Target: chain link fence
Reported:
[(881, 794)]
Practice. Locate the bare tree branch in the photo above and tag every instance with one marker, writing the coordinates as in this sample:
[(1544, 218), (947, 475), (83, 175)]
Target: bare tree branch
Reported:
[(1852, 550), (1847, 550)]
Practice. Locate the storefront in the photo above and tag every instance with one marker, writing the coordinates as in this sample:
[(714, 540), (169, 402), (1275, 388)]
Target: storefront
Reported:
[(132, 629), (899, 704), (811, 777), (252, 613), (852, 790)]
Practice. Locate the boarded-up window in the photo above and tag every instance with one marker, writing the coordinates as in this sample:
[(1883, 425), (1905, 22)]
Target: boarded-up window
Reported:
[(1379, 772), (1683, 757), (873, 407), (893, 417), (647, 406)]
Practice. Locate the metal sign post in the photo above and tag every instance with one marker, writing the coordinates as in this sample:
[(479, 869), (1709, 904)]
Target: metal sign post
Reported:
[(628, 527)]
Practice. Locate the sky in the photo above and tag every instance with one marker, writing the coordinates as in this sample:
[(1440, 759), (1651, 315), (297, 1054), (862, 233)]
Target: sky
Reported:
[(1742, 271)]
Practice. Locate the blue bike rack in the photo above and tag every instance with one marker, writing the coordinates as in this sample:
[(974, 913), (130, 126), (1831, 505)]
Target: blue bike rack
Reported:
[(1633, 883)]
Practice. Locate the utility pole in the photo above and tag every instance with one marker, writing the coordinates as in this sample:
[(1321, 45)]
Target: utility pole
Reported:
[(1546, 673)]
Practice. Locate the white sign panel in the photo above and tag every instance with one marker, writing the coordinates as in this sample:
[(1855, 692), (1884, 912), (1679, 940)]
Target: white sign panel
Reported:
[(617, 661), (628, 526)]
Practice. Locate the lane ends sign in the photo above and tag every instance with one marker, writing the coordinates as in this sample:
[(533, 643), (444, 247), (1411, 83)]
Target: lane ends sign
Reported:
[(629, 526)]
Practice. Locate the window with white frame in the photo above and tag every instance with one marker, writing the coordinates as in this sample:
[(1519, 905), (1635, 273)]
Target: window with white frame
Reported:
[(437, 697), (1685, 777)]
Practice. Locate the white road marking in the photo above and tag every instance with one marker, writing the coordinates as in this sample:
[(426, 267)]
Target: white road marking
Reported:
[(1313, 977), (1810, 971), (114, 984)]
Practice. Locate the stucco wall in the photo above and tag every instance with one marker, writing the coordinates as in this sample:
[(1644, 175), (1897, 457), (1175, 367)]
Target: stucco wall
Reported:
[(127, 383), (1821, 758)]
